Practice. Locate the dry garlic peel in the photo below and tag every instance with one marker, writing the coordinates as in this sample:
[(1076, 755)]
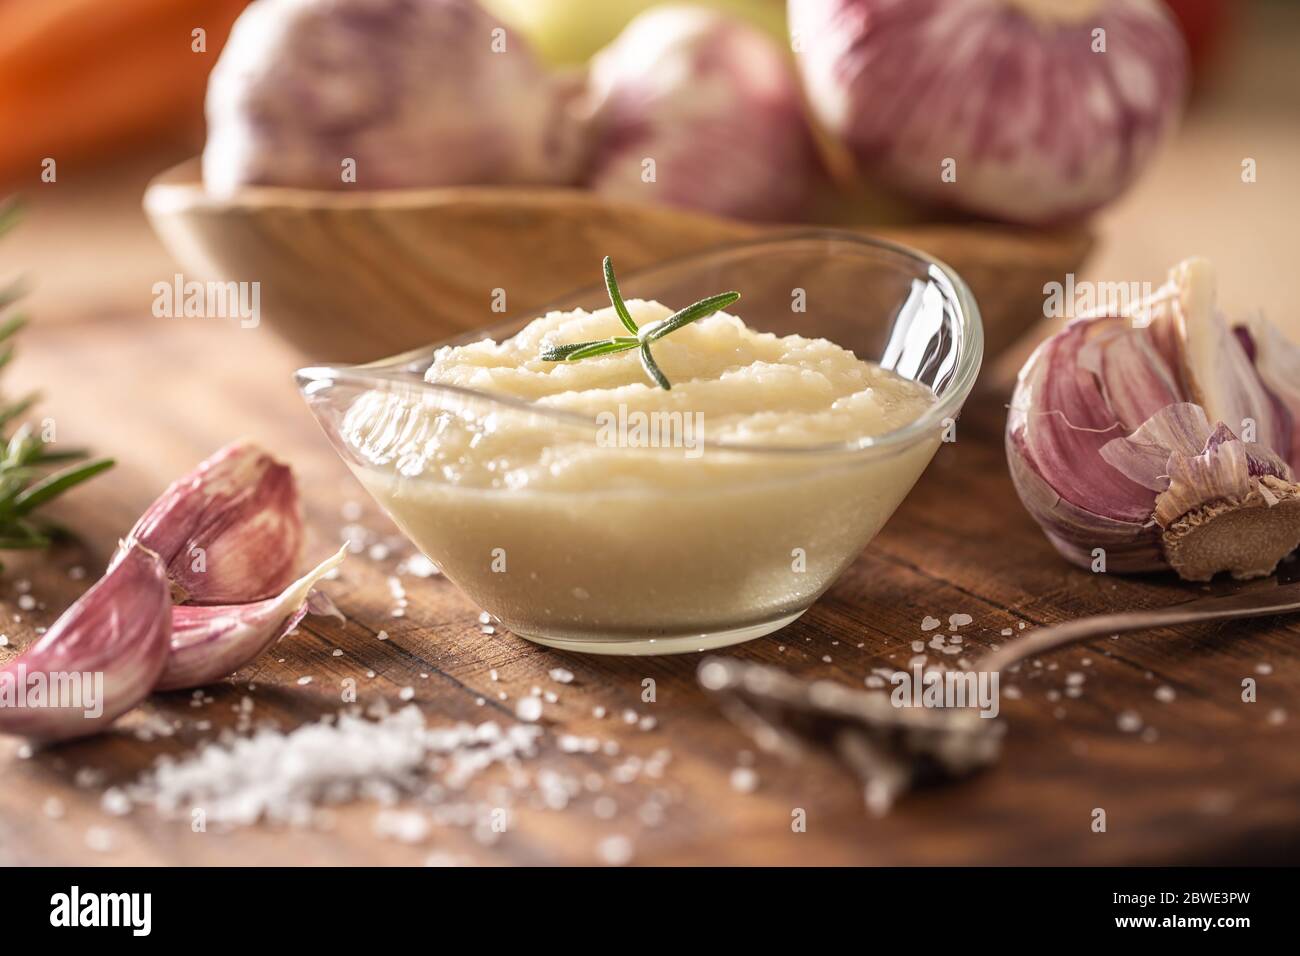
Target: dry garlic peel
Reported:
[(230, 532), (1151, 440), (100, 659), (210, 642)]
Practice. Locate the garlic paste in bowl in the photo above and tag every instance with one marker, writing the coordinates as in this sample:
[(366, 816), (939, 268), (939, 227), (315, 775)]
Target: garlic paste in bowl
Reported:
[(590, 509)]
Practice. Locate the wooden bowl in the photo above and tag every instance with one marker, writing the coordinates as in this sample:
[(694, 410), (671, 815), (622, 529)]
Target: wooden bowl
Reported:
[(354, 276)]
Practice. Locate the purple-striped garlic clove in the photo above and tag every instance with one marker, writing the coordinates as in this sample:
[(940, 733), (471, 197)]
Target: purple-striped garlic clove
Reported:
[(99, 659), (1151, 441), (211, 642), (230, 532)]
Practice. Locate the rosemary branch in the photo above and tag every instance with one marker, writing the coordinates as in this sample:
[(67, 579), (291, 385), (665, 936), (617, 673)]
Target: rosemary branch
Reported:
[(640, 337), (26, 457)]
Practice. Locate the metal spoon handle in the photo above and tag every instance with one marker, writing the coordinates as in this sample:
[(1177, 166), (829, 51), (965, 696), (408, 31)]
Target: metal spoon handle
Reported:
[(1280, 600)]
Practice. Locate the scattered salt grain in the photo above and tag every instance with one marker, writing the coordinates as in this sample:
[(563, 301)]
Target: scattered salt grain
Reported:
[(529, 709), (338, 652), (1263, 669), (598, 712), (1129, 721), (1165, 693), (115, 802), (403, 826), (381, 636), (100, 839), (930, 623), (561, 676), (406, 693), (958, 620), (304, 681), (615, 850), (26, 602), (744, 780)]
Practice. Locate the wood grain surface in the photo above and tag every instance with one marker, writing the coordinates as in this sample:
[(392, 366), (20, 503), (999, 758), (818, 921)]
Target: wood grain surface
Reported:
[(1211, 780), (422, 264)]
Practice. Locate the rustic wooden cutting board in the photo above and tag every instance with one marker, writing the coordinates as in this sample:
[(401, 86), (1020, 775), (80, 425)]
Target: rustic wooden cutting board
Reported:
[(1214, 780)]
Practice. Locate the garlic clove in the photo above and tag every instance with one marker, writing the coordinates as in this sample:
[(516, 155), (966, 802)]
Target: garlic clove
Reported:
[(1128, 546), (1216, 369), (1222, 504), (230, 532), (100, 659), (1277, 360), (209, 642), (1062, 421)]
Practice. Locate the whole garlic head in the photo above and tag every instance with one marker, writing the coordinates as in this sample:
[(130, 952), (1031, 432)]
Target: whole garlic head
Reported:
[(402, 93)]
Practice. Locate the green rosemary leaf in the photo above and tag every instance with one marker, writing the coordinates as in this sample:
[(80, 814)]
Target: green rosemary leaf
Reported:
[(644, 336), (692, 313), (616, 297), (44, 457), (12, 325), (652, 368), (603, 348), (8, 413), (10, 211), (12, 543), (52, 486), (558, 353)]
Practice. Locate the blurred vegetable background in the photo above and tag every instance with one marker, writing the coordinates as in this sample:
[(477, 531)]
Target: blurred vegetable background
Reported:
[(114, 92)]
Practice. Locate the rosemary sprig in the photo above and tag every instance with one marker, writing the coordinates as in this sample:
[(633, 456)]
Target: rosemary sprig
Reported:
[(640, 337), (27, 480)]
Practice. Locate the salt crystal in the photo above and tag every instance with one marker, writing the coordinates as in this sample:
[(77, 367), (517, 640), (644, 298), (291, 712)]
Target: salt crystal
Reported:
[(100, 839), (930, 623), (958, 620), (744, 780), (304, 681), (338, 652), (26, 602), (529, 709), (1164, 693), (615, 850), (404, 826), (561, 676), (493, 674), (1263, 669), (598, 712), (421, 567), (1129, 721), (406, 693), (382, 636), (484, 618), (76, 572), (4, 640), (647, 723), (115, 802)]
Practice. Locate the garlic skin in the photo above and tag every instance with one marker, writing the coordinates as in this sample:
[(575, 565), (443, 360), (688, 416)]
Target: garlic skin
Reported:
[(230, 532), (210, 642), (1150, 442), (118, 631)]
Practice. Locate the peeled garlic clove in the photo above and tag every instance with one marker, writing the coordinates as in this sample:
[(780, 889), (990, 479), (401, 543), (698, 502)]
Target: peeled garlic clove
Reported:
[(100, 659), (210, 642), (230, 532)]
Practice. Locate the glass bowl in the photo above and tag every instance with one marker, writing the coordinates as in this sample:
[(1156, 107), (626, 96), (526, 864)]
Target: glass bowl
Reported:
[(698, 551)]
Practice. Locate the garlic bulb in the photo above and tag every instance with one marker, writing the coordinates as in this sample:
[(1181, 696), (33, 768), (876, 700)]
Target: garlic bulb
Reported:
[(230, 531), (1152, 439), (1029, 111), (385, 94), (101, 657), (210, 642), (693, 107)]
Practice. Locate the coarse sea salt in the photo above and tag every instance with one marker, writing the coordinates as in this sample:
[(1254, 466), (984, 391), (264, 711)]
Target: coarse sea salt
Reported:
[(283, 777)]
